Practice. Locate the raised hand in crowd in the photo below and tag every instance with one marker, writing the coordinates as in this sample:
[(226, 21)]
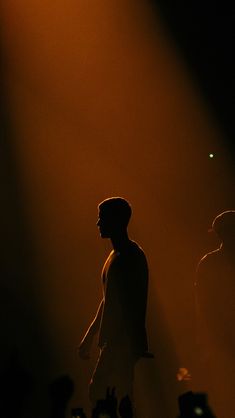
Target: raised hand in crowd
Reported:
[(125, 408), (106, 406)]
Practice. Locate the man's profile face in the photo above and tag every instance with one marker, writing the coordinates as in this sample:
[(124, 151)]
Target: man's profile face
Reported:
[(106, 224)]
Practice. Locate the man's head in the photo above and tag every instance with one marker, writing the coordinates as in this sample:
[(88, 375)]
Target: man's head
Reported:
[(114, 215), (224, 226)]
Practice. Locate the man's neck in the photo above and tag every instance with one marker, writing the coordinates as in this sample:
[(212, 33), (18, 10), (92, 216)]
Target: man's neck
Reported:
[(228, 249), (119, 242)]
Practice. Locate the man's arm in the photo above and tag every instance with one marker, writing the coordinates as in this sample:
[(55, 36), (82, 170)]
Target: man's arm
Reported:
[(85, 345)]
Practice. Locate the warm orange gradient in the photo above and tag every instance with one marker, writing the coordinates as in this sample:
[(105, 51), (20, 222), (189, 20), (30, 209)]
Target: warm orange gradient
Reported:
[(102, 104)]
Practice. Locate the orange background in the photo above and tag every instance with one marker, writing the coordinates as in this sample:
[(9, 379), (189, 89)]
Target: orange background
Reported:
[(99, 102)]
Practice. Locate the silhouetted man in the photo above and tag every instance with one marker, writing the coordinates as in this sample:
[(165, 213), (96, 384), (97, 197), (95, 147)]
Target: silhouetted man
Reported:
[(215, 292), (120, 319)]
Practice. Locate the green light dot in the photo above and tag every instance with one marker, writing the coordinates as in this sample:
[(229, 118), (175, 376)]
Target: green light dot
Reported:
[(198, 411)]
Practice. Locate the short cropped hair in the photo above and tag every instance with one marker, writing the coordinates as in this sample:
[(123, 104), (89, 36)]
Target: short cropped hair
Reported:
[(224, 224), (117, 207)]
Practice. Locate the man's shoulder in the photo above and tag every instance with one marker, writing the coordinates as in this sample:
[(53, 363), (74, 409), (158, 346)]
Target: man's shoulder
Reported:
[(136, 250), (135, 259), (208, 265), (209, 259)]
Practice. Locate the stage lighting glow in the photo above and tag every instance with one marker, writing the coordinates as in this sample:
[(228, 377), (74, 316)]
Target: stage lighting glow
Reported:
[(183, 374)]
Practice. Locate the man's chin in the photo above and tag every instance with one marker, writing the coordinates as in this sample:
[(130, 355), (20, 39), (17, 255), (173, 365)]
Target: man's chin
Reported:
[(103, 235)]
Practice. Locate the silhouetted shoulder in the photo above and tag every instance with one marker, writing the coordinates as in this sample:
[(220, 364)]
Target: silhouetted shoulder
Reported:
[(134, 253), (135, 249), (208, 260)]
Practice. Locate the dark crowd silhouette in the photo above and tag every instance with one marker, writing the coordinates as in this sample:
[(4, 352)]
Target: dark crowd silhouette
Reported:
[(16, 386), (191, 405)]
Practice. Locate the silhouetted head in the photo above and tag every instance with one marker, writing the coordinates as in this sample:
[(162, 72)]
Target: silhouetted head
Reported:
[(224, 227), (114, 215)]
